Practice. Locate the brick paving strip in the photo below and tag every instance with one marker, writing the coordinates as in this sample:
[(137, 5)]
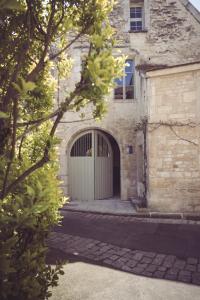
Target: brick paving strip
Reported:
[(144, 263)]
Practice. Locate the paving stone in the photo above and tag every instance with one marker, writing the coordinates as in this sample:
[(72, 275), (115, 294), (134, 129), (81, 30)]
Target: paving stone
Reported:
[(162, 269), (138, 256), (114, 257), (185, 276), (108, 261), (110, 252), (119, 265), (141, 265), (103, 244), (146, 273), (95, 248), (173, 271), (191, 268), (158, 260), (151, 268), (196, 278), (97, 258), (150, 254), (170, 258), (159, 274), (132, 263), (104, 255), (116, 249), (192, 261), (146, 260), (90, 256), (169, 261), (105, 248), (129, 255), (179, 264), (138, 270), (126, 268), (170, 276), (124, 251), (121, 260)]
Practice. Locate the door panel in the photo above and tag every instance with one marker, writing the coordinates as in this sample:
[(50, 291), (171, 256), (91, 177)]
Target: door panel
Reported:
[(82, 178), (103, 167), (103, 178), (81, 168)]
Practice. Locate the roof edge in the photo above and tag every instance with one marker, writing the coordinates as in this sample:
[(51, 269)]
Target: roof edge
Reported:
[(174, 70), (192, 9)]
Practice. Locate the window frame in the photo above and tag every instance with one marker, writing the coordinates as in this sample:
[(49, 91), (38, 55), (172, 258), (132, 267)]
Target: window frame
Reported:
[(124, 86), (141, 19)]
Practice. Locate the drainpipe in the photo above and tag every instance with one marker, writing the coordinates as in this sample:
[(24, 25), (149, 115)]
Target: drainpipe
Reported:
[(144, 130), (145, 162)]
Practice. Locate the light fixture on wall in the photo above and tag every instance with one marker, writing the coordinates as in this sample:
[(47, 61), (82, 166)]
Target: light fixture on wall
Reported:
[(129, 149)]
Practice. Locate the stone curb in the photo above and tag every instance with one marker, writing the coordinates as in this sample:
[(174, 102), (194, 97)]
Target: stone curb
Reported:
[(143, 215)]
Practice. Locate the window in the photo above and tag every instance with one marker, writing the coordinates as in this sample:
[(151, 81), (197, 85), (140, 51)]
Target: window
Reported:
[(125, 85), (136, 18)]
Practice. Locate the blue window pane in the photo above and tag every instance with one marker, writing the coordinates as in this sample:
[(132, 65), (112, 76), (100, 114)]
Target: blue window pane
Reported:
[(129, 92), (129, 79), (135, 12), (129, 66), (119, 93), (125, 85), (119, 81), (136, 25)]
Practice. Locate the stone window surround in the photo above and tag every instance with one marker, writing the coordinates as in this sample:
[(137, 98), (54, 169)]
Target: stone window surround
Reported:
[(137, 60), (124, 100), (137, 3)]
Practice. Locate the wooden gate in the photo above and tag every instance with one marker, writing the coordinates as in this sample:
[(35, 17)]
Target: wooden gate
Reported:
[(91, 167)]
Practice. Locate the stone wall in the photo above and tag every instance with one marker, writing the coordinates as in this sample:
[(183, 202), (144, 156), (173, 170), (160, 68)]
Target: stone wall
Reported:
[(172, 34), (173, 139)]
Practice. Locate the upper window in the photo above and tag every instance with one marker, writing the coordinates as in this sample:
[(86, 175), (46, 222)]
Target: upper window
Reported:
[(125, 85), (136, 18)]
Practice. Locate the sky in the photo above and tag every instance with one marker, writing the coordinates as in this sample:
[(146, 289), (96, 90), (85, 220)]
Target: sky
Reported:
[(196, 3)]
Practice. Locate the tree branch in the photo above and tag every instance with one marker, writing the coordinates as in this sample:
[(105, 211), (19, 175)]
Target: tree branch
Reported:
[(41, 64), (12, 152), (33, 122), (52, 57), (36, 166), (181, 138), (21, 143), (171, 126)]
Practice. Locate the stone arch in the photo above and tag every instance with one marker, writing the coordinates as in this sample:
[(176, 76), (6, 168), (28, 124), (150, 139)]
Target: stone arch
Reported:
[(76, 133), (68, 142)]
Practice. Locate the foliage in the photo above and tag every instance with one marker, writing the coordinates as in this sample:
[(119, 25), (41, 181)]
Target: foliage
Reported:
[(36, 37), (25, 219)]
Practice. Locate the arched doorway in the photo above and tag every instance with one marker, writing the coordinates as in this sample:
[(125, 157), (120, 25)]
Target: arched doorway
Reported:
[(93, 164)]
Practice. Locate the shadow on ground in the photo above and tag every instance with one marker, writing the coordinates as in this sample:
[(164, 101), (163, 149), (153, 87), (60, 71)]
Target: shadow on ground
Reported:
[(164, 251)]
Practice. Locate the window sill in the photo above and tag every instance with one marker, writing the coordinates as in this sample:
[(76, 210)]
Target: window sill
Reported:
[(138, 31), (124, 100)]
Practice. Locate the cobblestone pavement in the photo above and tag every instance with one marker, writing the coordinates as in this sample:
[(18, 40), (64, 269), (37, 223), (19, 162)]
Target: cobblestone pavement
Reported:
[(81, 245)]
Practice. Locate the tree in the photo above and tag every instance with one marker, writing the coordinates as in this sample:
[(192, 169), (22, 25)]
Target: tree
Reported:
[(36, 36)]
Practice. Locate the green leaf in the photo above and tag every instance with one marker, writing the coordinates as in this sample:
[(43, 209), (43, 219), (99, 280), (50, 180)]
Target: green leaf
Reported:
[(11, 4), (3, 115), (29, 86), (30, 191), (17, 87), (22, 87)]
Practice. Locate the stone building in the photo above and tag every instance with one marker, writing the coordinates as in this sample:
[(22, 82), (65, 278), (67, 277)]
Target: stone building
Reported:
[(147, 145)]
